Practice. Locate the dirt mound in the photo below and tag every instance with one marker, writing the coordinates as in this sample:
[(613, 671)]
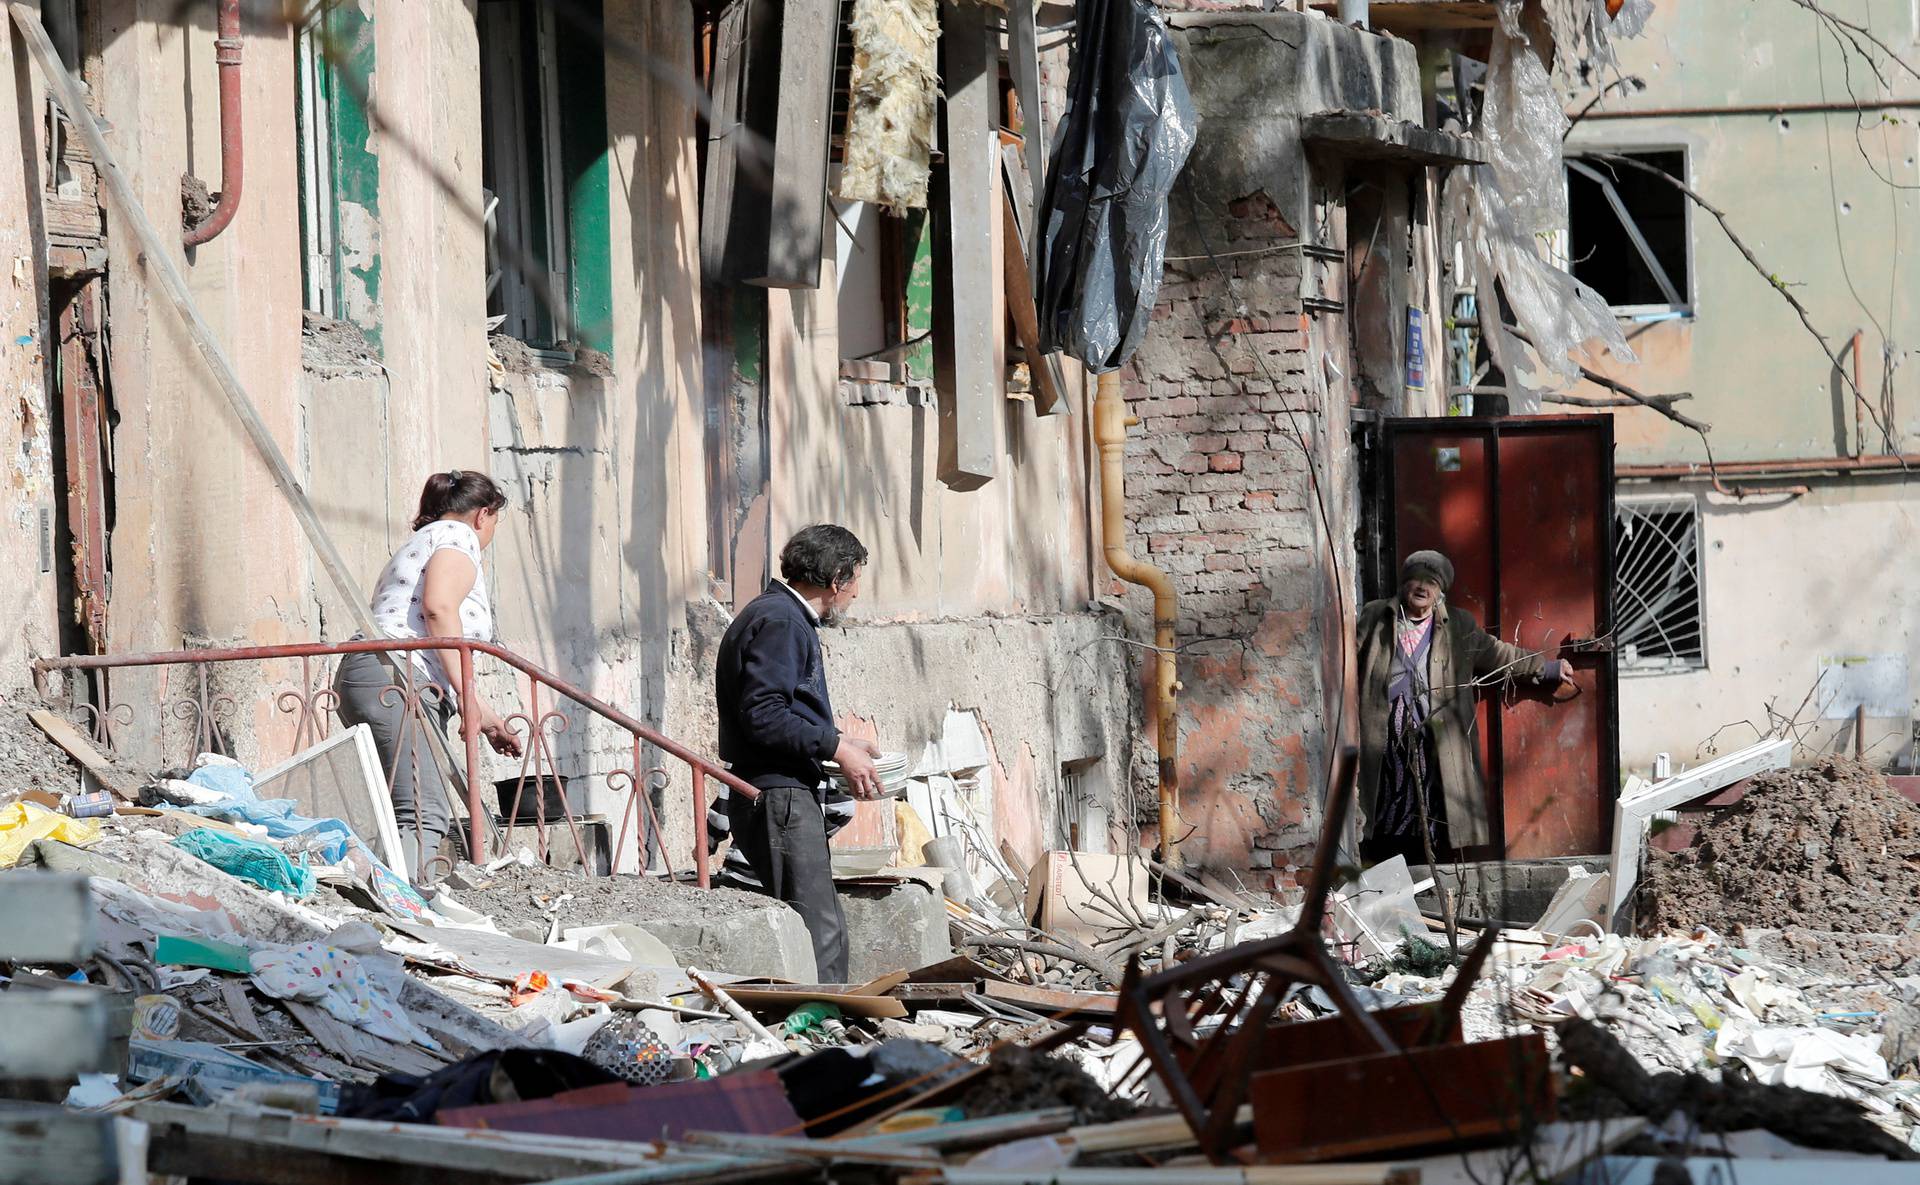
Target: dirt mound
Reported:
[(517, 895), (1828, 847)]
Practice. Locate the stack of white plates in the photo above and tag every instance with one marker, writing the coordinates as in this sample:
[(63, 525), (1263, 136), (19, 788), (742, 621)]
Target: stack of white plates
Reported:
[(892, 768)]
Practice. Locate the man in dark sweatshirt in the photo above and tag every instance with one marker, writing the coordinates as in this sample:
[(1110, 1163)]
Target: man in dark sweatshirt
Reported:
[(777, 730)]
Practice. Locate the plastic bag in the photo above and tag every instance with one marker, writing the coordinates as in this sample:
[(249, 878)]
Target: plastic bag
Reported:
[(24, 822), (1103, 221), (248, 859)]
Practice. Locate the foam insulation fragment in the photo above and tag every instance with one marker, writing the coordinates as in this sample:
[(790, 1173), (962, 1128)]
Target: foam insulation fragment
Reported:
[(892, 104)]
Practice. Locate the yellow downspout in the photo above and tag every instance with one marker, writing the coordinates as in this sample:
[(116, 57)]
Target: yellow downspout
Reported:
[(1110, 424)]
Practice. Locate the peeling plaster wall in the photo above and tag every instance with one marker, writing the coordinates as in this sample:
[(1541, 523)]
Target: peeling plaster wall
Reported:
[(28, 620), (204, 548), (1243, 397)]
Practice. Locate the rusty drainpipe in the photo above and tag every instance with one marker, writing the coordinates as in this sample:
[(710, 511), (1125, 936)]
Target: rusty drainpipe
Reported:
[(226, 54), (1110, 424)]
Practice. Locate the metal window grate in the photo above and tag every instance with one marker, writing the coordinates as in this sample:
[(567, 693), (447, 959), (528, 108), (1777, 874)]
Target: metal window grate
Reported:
[(1657, 588)]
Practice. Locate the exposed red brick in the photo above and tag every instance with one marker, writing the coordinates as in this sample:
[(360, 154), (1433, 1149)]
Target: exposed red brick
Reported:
[(1224, 462)]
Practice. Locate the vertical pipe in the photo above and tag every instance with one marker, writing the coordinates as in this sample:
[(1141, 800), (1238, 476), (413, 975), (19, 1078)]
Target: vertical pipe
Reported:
[(700, 824), (226, 54), (1110, 424), (1354, 12), (470, 733)]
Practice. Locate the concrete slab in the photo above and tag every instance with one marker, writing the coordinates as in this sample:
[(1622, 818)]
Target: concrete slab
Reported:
[(771, 941), (893, 927)]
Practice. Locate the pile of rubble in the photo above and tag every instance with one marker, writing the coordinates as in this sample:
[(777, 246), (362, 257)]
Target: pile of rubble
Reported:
[(270, 987)]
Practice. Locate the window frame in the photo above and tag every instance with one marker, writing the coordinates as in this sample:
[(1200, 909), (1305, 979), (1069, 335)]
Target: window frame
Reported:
[(544, 152), (1688, 289), (1646, 505), (335, 164)]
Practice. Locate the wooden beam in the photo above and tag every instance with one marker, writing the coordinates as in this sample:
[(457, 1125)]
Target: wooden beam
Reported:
[(65, 735), (967, 373), (809, 40)]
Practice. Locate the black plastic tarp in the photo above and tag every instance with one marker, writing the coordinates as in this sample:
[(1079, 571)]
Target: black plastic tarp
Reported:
[(1129, 126)]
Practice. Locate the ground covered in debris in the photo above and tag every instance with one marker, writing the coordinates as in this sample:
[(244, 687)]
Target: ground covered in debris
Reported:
[(521, 896), (1829, 847)]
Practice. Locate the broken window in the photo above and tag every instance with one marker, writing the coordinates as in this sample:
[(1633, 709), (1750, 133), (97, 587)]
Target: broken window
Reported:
[(339, 175), (885, 299), (1627, 233), (1657, 592), (543, 166)]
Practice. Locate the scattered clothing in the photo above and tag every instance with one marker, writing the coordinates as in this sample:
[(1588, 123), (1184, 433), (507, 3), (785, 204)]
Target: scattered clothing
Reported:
[(335, 980), (250, 860)]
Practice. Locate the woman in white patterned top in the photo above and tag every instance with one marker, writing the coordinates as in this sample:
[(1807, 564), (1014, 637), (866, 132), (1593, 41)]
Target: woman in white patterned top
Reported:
[(431, 588)]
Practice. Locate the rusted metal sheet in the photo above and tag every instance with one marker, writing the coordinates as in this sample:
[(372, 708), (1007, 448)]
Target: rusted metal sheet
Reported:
[(1523, 506), (1409, 1098), (83, 418)]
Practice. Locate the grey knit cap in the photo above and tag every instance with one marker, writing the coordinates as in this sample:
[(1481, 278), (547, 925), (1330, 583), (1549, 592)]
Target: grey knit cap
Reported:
[(1430, 564)]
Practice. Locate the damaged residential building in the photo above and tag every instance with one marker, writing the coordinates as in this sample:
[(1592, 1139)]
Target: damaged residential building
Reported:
[(1754, 581), (685, 278)]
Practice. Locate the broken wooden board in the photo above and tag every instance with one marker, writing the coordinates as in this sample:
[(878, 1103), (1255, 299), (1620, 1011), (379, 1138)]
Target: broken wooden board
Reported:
[(44, 1144), (449, 1152), (1048, 1001), (809, 39), (90, 759), (969, 374), (1026, 317), (783, 998), (46, 917)]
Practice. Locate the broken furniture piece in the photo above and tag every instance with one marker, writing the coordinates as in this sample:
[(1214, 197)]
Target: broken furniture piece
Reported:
[(1315, 1088)]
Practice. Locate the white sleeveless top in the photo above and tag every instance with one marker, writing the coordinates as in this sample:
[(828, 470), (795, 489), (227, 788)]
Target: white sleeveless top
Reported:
[(397, 611)]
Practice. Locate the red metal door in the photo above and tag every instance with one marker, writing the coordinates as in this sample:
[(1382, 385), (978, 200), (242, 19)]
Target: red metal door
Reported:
[(1523, 506)]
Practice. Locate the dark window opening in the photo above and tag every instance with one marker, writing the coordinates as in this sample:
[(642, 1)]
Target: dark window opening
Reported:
[(1627, 230)]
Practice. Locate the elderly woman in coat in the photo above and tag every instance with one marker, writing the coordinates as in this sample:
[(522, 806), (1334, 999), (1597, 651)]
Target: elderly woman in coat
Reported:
[(1421, 662)]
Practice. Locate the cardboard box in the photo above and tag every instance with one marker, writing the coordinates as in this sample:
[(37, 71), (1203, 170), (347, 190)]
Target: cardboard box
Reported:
[(1064, 890)]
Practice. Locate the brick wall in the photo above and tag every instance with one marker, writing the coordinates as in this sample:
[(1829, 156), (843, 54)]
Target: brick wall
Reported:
[(1218, 490)]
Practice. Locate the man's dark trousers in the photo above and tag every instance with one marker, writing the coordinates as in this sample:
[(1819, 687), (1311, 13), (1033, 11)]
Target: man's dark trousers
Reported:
[(783, 834)]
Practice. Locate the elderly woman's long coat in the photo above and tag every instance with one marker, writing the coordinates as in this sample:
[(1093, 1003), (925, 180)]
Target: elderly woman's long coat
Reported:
[(1461, 653)]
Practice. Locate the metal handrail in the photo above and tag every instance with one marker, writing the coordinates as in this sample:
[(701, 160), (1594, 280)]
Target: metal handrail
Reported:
[(701, 767)]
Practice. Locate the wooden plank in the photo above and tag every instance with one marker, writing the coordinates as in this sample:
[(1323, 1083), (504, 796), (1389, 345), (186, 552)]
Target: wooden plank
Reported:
[(323, 1028), (1047, 1000), (809, 38), (452, 1150), (81, 750), (45, 917), (1013, 174), (724, 136), (967, 370), (1026, 318), (1023, 62), (44, 1144), (1442, 1095), (233, 993)]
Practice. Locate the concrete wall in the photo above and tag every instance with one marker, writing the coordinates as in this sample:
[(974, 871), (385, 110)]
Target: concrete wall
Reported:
[(1828, 208), (1784, 589), (28, 627)]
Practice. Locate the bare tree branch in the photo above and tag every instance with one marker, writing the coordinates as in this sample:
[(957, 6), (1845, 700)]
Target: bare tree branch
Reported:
[(1779, 285)]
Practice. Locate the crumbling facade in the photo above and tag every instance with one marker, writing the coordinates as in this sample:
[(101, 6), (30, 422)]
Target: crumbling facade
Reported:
[(1759, 589)]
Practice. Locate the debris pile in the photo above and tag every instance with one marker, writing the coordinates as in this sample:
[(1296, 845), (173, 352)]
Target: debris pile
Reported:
[(1827, 847)]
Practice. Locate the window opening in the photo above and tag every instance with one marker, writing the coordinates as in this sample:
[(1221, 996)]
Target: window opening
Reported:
[(1627, 231), (1657, 588), (319, 203)]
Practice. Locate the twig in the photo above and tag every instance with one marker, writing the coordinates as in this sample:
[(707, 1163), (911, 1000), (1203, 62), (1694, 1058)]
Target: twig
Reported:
[(1773, 281), (1660, 403), (1644, 401), (1084, 957)]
